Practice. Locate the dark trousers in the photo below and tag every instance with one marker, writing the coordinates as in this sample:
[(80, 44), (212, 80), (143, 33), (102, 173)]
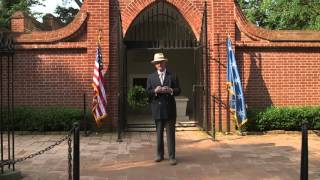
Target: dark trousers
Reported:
[(171, 140)]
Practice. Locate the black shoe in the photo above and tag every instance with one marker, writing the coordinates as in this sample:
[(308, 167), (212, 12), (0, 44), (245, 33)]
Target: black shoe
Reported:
[(158, 159), (173, 162)]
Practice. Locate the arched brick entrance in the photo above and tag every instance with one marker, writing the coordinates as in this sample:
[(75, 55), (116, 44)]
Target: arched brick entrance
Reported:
[(178, 37), (190, 12)]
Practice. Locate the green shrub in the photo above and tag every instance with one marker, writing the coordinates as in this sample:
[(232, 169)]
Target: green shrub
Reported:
[(46, 119), (283, 118), (137, 97)]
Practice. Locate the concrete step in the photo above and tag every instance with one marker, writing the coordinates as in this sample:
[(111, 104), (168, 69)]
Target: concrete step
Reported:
[(154, 129), (180, 126), (186, 123)]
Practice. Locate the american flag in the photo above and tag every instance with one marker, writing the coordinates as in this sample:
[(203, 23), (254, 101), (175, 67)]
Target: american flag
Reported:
[(99, 103)]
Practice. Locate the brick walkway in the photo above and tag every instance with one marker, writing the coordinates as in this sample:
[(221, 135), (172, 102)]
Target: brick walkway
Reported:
[(231, 157)]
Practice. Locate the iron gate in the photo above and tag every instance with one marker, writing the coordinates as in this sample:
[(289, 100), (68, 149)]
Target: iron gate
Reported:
[(7, 98), (160, 26), (201, 89)]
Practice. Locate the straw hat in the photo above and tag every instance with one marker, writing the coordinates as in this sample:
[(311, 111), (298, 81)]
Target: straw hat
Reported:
[(158, 57)]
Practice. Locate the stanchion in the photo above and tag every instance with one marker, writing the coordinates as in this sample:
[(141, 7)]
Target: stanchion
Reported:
[(76, 152), (119, 126), (85, 122), (213, 119), (304, 153), (1, 116)]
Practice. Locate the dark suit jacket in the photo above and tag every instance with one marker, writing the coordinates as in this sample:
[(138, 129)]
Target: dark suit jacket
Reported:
[(163, 105)]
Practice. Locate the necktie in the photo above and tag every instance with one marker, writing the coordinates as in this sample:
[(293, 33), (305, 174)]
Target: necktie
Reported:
[(161, 77)]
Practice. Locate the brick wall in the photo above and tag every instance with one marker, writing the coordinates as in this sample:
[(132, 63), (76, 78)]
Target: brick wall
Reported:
[(52, 78), (276, 67), (280, 76)]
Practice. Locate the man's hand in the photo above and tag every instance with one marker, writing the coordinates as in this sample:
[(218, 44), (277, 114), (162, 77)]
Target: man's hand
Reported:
[(164, 89), (167, 89), (158, 89)]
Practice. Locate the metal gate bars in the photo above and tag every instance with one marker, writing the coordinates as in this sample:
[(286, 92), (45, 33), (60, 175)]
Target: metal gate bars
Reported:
[(7, 99)]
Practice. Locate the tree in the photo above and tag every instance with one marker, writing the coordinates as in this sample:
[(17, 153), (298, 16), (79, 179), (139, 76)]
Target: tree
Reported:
[(283, 14), (66, 14), (9, 7)]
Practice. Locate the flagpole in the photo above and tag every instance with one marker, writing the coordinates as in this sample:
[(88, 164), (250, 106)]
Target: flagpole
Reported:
[(228, 95)]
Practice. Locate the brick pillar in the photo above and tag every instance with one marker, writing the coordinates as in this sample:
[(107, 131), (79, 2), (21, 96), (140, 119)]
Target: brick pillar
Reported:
[(222, 23), (99, 22), (114, 40), (18, 22)]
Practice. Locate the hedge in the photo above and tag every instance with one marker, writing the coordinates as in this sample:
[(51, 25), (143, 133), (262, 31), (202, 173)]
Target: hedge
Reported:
[(282, 118), (62, 119), (46, 119)]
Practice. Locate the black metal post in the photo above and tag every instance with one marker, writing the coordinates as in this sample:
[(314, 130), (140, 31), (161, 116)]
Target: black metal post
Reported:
[(228, 111), (8, 110), (119, 126), (207, 84), (12, 108), (304, 152), (12, 111), (121, 76), (1, 115), (85, 122), (76, 151), (214, 117), (193, 86)]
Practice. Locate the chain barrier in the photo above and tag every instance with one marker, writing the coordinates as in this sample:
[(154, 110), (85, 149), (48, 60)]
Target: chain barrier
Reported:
[(68, 137)]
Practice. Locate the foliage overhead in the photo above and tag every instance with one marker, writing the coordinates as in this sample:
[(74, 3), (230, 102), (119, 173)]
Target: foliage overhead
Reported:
[(270, 14), (66, 14), (283, 14), (9, 7)]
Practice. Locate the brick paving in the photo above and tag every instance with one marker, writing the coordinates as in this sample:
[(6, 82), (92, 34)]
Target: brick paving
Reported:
[(267, 157)]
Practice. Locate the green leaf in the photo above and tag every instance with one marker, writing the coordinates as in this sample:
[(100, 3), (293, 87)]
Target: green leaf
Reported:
[(283, 14)]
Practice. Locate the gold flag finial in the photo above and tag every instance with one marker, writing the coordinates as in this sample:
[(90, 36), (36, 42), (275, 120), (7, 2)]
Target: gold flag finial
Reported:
[(99, 37)]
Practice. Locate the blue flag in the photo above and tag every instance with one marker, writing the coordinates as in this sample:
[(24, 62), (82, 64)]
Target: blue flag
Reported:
[(236, 97)]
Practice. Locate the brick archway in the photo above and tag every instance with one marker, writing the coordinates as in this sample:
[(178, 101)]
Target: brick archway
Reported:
[(191, 14)]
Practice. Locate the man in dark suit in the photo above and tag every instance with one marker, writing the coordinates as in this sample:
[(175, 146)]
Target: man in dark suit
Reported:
[(162, 86)]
